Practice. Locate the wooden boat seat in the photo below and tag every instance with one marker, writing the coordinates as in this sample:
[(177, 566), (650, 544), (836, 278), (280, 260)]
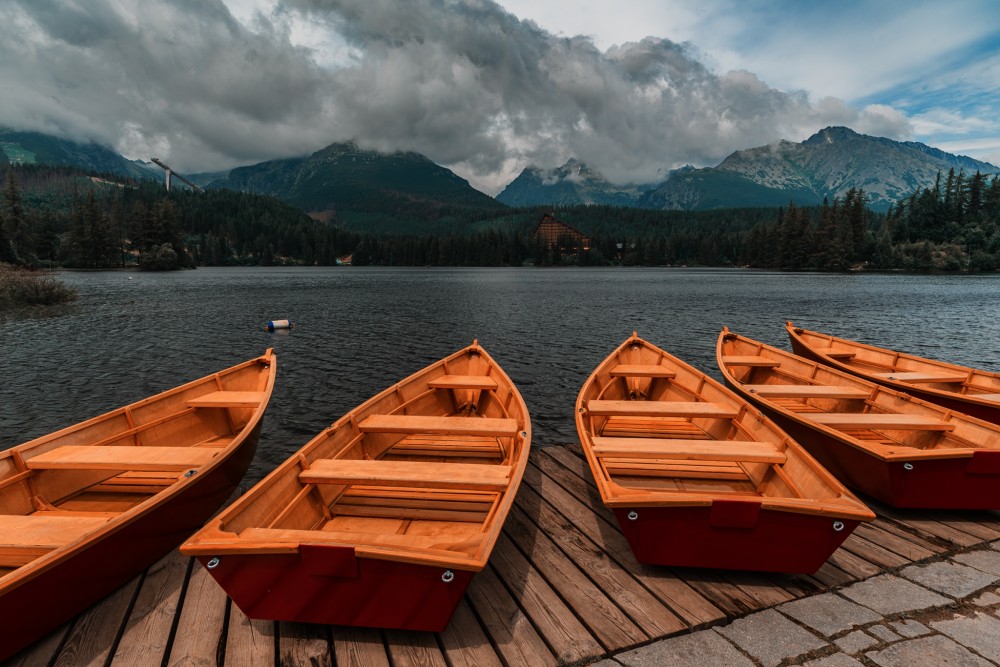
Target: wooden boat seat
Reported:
[(438, 425), (227, 399), (74, 457), (642, 371), (470, 476), (661, 409), (835, 354), (263, 537), (877, 420), (805, 391), (922, 376), (45, 531), (697, 450), (463, 382), (755, 361)]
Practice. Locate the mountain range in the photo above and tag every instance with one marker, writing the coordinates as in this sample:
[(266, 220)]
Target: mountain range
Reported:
[(363, 189), (824, 166)]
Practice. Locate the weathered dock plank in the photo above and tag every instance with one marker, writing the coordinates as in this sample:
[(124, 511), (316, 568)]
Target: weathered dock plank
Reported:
[(562, 587)]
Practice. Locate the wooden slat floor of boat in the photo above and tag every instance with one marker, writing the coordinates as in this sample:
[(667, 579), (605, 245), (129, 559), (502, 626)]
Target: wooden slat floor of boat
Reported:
[(560, 588)]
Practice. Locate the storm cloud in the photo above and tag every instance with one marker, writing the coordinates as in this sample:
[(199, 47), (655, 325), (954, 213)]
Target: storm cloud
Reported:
[(462, 81)]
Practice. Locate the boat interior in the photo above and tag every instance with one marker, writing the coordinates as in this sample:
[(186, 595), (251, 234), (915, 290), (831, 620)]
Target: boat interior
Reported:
[(421, 469), (659, 431), (58, 489), (892, 365), (886, 423)]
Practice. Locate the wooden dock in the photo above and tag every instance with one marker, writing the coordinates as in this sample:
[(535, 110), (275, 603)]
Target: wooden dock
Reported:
[(561, 588)]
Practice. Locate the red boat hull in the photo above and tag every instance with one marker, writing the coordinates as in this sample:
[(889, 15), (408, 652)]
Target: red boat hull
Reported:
[(329, 585), (59, 593), (732, 535), (969, 483), (984, 412)]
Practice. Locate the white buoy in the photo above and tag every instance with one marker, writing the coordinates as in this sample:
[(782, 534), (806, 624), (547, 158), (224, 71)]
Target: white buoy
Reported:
[(275, 325)]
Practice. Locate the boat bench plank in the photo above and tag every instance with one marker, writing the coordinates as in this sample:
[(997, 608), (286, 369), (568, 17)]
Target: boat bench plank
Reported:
[(463, 382), (642, 370), (227, 399), (474, 476), (873, 420), (661, 409), (282, 535), (835, 354), (805, 391), (45, 531), (697, 450), (438, 425), (71, 457), (922, 376), (759, 362)]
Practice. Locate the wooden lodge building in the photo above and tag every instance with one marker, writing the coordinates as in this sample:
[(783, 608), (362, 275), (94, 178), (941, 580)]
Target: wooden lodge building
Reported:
[(555, 233)]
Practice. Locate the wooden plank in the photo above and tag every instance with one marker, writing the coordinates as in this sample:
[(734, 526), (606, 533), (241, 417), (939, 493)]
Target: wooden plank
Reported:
[(559, 627), (42, 653), (854, 565), (755, 361), (922, 376), (303, 644), (580, 505), (806, 391), (880, 420), (464, 643), (697, 450), (834, 354), (110, 457), (483, 382), (44, 531), (359, 647), (472, 476), (227, 399), (413, 649), (281, 536), (571, 578), (661, 409), (509, 628), (93, 638), (248, 641), (897, 544), (881, 557), (200, 625), (986, 397), (438, 425), (642, 371), (147, 631)]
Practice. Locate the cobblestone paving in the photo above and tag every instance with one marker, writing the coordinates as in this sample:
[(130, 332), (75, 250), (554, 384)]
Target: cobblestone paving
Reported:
[(944, 612)]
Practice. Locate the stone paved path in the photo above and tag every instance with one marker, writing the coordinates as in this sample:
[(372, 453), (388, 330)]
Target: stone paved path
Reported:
[(941, 612)]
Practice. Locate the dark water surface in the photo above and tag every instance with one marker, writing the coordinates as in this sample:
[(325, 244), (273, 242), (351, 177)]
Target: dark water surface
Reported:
[(359, 330)]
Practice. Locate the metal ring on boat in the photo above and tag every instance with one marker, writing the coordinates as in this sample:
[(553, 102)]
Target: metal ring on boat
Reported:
[(191, 473), (448, 576), (524, 434), (838, 526), (633, 515), (212, 564), (907, 466)]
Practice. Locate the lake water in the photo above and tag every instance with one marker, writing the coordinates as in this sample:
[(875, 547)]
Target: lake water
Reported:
[(359, 330)]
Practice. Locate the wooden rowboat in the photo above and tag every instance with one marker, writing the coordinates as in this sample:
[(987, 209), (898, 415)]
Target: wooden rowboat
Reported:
[(697, 477), (383, 518), (85, 509), (974, 392), (885, 443)]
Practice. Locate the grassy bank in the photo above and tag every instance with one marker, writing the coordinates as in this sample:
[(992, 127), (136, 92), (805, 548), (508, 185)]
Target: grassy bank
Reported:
[(20, 287)]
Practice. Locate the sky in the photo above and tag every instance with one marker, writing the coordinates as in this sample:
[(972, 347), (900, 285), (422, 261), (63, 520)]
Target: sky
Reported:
[(633, 88)]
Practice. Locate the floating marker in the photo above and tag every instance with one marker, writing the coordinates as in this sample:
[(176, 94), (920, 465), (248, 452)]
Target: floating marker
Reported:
[(275, 325)]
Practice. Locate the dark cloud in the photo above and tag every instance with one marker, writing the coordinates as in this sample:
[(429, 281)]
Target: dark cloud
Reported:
[(464, 82)]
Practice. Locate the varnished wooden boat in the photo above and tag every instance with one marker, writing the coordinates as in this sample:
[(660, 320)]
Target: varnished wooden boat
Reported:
[(85, 509), (885, 443), (696, 477), (974, 392), (383, 518)]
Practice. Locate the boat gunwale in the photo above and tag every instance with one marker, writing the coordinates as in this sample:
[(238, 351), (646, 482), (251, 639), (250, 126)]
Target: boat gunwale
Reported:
[(165, 496)]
